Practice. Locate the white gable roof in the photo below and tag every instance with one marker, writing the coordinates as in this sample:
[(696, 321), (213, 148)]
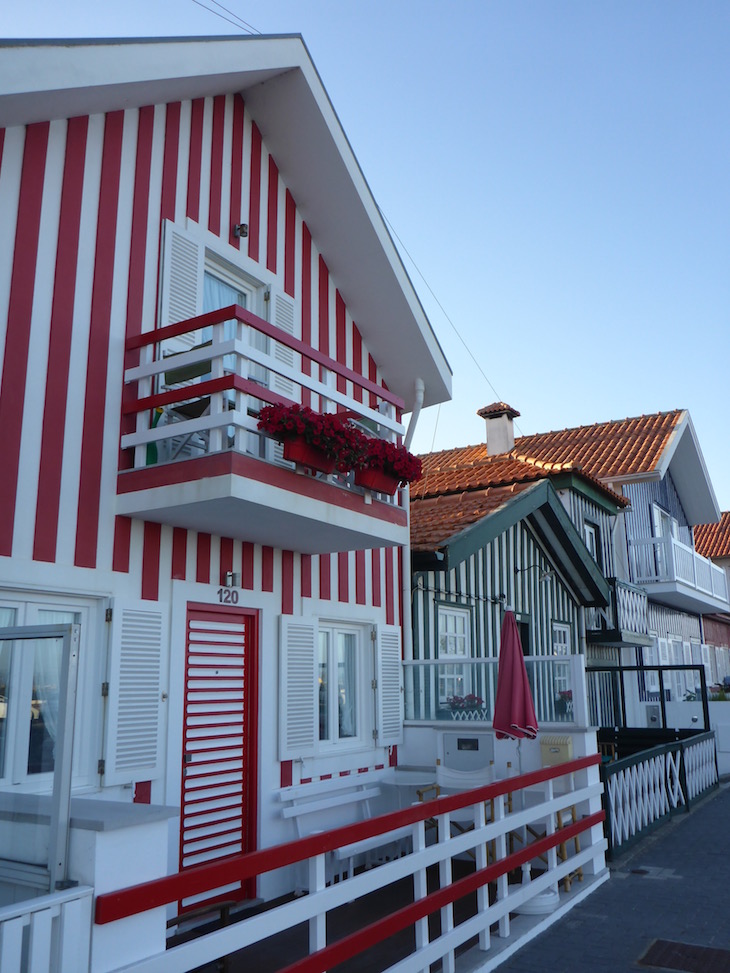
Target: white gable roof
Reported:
[(41, 80)]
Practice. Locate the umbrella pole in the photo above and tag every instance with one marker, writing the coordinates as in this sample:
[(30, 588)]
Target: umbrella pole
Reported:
[(526, 868)]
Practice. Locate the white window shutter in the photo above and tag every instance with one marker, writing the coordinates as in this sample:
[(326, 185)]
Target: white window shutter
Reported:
[(181, 283), (281, 312), (135, 709), (298, 696), (389, 693)]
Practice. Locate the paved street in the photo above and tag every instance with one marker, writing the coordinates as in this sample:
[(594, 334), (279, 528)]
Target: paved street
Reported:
[(673, 886)]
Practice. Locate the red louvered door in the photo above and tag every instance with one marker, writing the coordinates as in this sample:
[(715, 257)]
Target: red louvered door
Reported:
[(218, 805)]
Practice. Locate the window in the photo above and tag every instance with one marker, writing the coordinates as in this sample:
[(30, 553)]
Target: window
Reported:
[(338, 684), (454, 626), (592, 537), (561, 648)]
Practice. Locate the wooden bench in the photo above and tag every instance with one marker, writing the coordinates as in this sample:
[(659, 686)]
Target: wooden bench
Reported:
[(307, 804)]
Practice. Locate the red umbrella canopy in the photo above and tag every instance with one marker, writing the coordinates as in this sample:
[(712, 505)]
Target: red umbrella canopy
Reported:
[(514, 710)]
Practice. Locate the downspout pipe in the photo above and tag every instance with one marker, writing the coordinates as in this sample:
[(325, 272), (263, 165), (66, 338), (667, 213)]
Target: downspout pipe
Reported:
[(415, 412)]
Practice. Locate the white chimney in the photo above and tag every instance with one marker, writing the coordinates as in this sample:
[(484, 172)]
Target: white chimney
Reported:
[(500, 430)]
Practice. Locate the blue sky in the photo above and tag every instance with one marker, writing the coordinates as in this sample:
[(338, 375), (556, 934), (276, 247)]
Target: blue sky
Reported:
[(557, 171)]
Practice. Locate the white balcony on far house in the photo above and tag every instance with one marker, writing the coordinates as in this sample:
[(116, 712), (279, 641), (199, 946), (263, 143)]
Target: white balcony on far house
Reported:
[(673, 573)]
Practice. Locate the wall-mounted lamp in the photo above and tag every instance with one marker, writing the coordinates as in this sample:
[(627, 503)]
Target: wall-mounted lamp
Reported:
[(240, 229), (544, 575), (232, 579)]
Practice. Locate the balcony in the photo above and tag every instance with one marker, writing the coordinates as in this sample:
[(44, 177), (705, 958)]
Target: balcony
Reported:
[(624, 621), (674, 574), (193, 456)]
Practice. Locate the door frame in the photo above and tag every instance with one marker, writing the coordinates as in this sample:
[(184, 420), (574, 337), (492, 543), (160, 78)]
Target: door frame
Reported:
[(249, 831)]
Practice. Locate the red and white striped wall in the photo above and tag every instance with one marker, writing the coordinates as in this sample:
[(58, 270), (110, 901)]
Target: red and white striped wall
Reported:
[(83, 202)]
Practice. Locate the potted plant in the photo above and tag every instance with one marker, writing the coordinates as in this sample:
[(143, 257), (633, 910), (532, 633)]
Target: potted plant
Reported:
[(564, 702), (322, 441), (467, 707), (385, 465)]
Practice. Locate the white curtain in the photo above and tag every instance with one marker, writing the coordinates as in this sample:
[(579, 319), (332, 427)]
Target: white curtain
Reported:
[(347, 683)]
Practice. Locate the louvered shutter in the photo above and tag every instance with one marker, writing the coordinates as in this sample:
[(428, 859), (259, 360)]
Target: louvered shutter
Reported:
[(298, 696), (135, 709), (181, 283), (389, 692), (281, 310)]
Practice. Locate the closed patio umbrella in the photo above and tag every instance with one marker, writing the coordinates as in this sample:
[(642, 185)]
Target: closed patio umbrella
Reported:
[(514, 710)]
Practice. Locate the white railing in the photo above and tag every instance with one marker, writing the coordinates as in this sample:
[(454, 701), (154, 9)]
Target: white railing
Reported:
[(505, 826), (50, 934), (465, 691), (626, 612), (642, 789), (657, 559), (206, 399)]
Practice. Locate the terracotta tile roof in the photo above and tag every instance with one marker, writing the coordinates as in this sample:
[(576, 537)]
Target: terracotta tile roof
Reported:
[(470, 468), (498, 409), (713, 540), (436, 519), (604, 450)]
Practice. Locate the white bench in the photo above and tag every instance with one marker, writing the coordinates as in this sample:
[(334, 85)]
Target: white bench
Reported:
[(307, 804)]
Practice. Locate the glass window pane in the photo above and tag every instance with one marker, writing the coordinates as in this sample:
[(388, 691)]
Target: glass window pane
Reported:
[(347, 684), (44, 700), (324, 722), (7, 620)]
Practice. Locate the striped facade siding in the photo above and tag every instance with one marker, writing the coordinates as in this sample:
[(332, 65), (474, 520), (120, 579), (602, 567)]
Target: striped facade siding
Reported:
[(479, 581), (668, 623), (639, 522), (581, 510), (83, 204)]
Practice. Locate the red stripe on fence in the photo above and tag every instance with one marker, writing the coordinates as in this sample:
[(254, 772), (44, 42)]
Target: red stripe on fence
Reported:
[(201, 878), (92, 437), (20, 311), (59, 346)]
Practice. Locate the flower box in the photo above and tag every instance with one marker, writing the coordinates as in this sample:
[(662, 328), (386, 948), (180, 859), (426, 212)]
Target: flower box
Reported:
[(301, 452), (377, 480)]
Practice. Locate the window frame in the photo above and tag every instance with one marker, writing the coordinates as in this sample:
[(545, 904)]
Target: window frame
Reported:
[(363, 674), (452, 661)]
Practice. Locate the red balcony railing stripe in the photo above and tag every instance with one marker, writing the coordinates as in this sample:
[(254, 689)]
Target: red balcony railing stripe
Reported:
[(199, 879), (271, 331)]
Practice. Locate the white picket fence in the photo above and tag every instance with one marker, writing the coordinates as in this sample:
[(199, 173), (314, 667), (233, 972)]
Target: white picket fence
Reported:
[(50, 934)]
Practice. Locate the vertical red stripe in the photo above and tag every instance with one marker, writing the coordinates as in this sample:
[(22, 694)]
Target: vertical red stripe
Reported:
[(202, 568), (287, 583), (400, 587), (247, 565), (226, 558), (389, 593), (343, 576), (20, 308), (216, 165), (324, 577), (356, 359), (360, 577), (306, 305), (267, 568), (151, 561), (341, 338), (373, 376), (195, 159), (236, 169), (2, 144), (287, 776), (393, 756), (290, 222), (305, 570), (376, 558), (169, 161), (324, 314), (135, 292), (179, 553), (272, 216), (59, 346), (254, 201), (142, 792), (92, 442)]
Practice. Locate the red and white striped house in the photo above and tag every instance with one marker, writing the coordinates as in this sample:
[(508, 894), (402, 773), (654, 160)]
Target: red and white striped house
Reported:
[(186, 235)]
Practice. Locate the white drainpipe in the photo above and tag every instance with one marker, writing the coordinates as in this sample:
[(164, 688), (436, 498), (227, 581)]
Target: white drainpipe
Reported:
[(406, 584), (415, 413)]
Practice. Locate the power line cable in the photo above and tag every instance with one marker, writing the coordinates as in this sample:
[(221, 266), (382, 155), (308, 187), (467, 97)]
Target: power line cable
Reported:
[(245, 23), (236, 23), (443, 309)]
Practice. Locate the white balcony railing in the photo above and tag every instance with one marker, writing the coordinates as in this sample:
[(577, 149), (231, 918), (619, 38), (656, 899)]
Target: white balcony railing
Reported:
[(206, 399), (626, 612), (665, 559), (557, 682), (50, 934)]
